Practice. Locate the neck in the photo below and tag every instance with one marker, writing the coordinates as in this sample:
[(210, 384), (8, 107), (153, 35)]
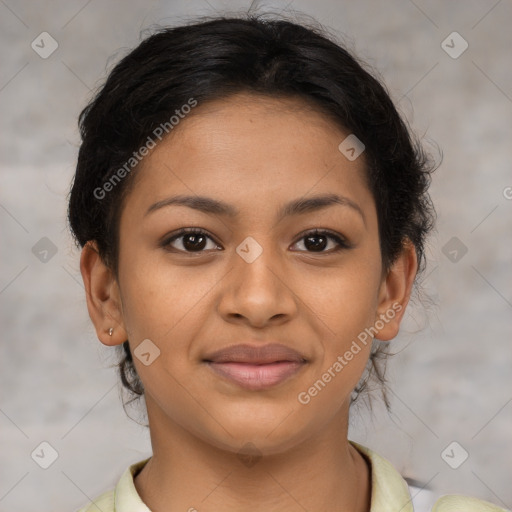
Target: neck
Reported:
[(186, 473)]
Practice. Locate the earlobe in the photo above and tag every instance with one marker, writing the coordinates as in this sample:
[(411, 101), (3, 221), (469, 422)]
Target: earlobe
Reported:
[(395, 293), (102, 295)]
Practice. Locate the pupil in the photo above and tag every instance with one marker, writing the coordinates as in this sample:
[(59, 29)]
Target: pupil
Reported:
[(194, 245), (320, 245)]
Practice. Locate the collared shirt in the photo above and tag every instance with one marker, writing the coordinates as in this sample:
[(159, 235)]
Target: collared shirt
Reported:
[(389, 492)]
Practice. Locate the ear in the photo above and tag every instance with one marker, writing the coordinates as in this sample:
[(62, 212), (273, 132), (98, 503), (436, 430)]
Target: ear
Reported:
[(395, 292), (103, 297)]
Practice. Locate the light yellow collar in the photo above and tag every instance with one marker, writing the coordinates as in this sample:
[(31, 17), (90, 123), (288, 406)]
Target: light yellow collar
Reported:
[(389, 492)]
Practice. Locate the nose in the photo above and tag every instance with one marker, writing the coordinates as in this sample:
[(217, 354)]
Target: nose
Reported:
[(258, 292)]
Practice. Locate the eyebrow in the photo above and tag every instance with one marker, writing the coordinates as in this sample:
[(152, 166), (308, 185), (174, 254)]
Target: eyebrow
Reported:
[(297, 207)]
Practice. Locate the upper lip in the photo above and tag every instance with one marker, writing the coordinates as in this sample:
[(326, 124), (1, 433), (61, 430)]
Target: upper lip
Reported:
[(265, 354)]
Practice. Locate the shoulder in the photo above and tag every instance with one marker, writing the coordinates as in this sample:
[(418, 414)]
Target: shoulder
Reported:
[(104, 502), (456, 503)]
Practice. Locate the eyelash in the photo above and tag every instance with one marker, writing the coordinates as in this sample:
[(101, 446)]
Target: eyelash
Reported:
[(342, 243)]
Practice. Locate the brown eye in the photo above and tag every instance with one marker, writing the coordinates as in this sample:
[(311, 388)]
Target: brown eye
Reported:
[(318, 241), (190, 240)]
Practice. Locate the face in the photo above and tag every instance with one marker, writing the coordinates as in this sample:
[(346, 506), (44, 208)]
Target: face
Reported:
[(255, 274)]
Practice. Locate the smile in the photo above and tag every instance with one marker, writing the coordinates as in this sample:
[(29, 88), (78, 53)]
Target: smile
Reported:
[(256, 367)]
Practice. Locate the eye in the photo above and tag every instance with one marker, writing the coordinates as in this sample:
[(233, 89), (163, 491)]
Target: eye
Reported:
[(195, 240), (318, 240), (190, 240)]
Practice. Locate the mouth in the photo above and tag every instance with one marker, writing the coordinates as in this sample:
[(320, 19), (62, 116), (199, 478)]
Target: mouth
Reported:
[(256, 368)]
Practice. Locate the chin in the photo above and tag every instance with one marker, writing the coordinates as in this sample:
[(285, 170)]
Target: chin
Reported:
[(268, 433)]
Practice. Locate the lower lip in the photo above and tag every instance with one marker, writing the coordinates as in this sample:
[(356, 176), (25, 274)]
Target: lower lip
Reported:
[(257, 376)]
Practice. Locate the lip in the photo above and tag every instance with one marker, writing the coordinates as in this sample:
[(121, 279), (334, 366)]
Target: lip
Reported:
[(256, 368)]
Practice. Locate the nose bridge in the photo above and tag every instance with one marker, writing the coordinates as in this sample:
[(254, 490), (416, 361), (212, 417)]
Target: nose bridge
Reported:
[(256, 262)]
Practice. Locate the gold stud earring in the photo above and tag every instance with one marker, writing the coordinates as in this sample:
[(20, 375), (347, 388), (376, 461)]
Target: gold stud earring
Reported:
[(111, 331)]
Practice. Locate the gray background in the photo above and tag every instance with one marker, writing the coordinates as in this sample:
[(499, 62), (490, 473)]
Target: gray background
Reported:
[(451, 380)]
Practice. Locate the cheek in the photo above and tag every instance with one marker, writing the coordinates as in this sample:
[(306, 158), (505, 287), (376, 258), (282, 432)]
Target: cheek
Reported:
[(345, 310), (157, 295), (344, 299), (344, 305), (167, 305)]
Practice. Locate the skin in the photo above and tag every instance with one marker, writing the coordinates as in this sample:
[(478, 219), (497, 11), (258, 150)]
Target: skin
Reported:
[(256, 154)]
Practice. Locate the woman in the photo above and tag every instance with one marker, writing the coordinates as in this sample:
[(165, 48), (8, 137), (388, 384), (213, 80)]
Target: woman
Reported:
[(252, 213)]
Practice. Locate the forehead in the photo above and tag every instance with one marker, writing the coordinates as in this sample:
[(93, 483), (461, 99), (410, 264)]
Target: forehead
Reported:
[(248, 148), (295, 118)]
